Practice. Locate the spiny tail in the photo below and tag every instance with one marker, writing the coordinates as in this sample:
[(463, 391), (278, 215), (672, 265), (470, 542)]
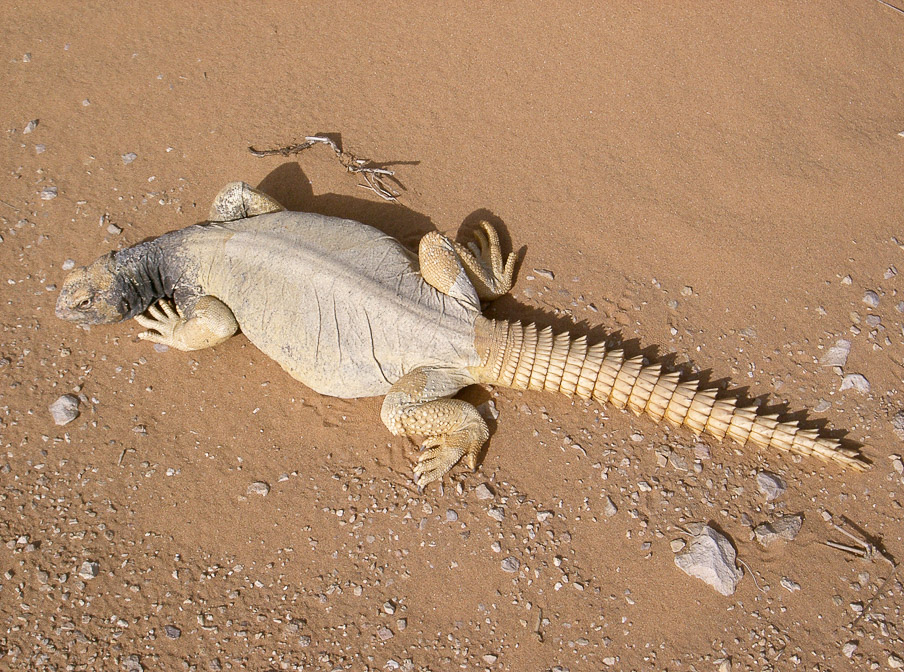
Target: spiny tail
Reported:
[(521, 357)]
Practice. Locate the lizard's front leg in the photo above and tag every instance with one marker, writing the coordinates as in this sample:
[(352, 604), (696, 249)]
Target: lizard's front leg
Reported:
[(238, 200), (209, 322), (419, 404)]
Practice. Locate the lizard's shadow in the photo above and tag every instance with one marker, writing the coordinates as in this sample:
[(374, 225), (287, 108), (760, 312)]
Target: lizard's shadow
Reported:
[(290, 186)]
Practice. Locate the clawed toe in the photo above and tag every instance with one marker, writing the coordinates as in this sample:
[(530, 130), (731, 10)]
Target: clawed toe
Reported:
[(161, 321)]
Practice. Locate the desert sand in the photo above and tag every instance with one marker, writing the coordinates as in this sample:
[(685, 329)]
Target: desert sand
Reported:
[(716, 186)]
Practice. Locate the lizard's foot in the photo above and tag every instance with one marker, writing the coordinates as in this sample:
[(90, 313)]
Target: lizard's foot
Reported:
[(444, 451), (419, 404), (203, 325), (483, 261), (162, 324)]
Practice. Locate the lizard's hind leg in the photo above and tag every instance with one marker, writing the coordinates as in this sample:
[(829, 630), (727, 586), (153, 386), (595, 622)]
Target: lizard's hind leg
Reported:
[(447, 265), (419, 403)]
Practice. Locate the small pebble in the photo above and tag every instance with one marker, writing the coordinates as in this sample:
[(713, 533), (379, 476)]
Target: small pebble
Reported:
[(128, 158), (88, 570), (48, 193), (451, 515), (65, 409), (609, 508), (496, 513), (258, 488), (701, 451), (895, 662), (849, 648), (40, 149), (770, 485), (855, 381), (68, 265), (511, 564), (789, 585), (544, 273), (490, 658), (543, 516), (837, 355), (677, 545), (30, 126), (687, 290), (488, 410), (871, 299), (385, 633), (113, 229), (846, 280), (483, 491), (172, 631), (897, 464)]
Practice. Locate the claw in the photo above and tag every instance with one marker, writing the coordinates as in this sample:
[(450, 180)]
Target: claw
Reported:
[(161, 322)]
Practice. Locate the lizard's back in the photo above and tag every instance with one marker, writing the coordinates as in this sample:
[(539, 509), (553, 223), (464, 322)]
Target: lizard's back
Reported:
[(338, 304)]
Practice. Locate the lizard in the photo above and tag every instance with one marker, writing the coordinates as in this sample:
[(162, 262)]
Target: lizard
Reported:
[(350, 312)]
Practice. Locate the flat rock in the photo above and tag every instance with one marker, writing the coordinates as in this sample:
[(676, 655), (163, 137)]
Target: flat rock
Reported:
[(770, 485), (65, 409), (783, 527), (837, 355), (710, 557), (855, 381)]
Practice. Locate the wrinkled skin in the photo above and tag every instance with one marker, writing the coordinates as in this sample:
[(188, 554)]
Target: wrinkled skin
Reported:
[(94, 294)]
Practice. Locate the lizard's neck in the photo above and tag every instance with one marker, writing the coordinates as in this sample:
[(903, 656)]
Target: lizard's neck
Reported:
[(146, 276)]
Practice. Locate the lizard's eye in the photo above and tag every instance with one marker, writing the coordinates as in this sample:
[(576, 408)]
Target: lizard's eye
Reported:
[(84, 304)]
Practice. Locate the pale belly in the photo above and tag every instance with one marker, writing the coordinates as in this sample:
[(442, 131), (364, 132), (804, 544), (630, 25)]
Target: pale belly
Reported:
[(339, 305)]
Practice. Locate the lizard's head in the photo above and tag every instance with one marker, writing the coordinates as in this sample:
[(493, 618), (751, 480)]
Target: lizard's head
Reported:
[(95, 294)]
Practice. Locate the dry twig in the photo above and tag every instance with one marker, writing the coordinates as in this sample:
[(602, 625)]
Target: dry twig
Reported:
[(375, 178), (869, 549)]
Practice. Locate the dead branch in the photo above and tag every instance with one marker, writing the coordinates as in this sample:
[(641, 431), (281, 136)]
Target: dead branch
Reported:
[(375, 178)]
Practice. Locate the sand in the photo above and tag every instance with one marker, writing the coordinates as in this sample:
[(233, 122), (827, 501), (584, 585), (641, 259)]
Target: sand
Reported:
[(716, 186)]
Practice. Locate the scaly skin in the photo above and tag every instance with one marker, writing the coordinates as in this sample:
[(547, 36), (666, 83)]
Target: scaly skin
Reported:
[(349, 312)]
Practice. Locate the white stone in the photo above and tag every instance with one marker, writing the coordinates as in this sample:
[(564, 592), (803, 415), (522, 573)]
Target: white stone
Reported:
[(65, 409), (88, 570), (856, 382), (837, 355), (258, 488), (710, 557)]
